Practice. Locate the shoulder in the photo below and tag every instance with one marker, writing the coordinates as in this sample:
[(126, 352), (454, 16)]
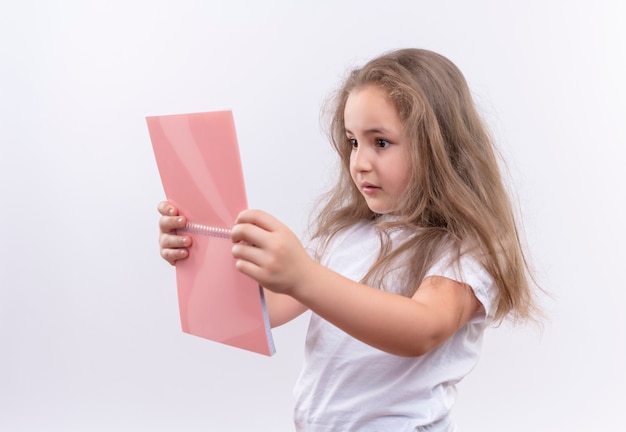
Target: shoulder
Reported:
[(468, 270)]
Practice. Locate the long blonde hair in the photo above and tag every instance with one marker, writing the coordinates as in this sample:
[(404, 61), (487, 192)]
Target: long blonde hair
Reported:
[(456, 197)]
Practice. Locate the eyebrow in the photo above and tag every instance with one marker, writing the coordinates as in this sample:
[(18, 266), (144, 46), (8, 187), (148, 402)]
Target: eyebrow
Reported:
[(371, 131)]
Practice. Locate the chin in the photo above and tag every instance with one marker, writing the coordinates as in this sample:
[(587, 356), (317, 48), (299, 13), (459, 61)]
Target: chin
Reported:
[(380, 210)]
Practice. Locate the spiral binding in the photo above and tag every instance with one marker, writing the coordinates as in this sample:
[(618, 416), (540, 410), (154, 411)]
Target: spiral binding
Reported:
[(195, 228)]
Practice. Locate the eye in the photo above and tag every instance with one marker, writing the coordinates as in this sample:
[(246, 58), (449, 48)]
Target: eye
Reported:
[(353, 142), (382, 143)]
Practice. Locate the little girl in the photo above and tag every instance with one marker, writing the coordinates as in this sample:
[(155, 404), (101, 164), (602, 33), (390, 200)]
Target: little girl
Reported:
[(414, 252)]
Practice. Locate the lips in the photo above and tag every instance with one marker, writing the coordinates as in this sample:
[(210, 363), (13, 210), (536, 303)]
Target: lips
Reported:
[(369, 189)]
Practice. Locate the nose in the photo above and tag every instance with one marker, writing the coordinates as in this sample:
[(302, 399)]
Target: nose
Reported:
[(360, 159)]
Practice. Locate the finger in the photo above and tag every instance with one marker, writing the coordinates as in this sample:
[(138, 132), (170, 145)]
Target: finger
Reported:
[(174, 241), (168, 224), (174, 255), (259, 218), (250, 234), (246, 252), (167, 209), (250, 270)]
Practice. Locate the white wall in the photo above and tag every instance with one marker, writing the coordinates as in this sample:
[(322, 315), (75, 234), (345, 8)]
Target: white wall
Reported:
[(89, 331)]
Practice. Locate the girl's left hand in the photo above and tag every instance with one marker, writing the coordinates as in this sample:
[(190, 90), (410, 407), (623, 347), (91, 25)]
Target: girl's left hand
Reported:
[(269, 252)]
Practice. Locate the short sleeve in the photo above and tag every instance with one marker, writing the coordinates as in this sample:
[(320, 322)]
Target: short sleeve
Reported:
[(469, 271)]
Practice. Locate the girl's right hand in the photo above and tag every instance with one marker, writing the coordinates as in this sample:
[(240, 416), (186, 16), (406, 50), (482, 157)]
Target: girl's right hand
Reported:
[(173, 246)]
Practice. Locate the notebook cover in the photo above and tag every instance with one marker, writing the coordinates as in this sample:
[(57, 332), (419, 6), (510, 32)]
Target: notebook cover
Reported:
[(198, 160)]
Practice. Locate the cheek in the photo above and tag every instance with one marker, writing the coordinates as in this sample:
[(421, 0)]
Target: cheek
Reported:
[(351, 165), (403, 176)]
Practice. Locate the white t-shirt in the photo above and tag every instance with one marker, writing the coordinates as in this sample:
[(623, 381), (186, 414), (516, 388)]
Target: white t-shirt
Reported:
[(348, 386)]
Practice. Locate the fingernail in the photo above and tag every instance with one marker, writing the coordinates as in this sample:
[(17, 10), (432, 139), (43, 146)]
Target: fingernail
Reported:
[(170, 211), (179, 220)]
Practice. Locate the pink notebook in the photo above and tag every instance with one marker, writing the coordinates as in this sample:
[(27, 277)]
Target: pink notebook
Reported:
[(198, 160)]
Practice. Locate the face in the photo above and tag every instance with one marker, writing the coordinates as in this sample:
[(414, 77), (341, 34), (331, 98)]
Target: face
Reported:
[(379, 162)]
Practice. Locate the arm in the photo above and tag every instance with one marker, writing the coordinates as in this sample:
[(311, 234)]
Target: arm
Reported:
[(282, 308), (268, 252), (173, 247), (390, 322)]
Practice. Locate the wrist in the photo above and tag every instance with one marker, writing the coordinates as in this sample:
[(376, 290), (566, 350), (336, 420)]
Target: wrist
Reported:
[(309, 282)]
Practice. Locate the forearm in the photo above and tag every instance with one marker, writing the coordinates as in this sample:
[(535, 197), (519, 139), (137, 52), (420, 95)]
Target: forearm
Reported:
[(281, 308), (390, 322)]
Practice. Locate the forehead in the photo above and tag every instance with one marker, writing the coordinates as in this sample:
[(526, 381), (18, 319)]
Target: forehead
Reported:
[(368, 108)]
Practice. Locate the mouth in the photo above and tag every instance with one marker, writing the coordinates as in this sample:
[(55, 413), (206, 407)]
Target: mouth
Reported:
[(369, 189)]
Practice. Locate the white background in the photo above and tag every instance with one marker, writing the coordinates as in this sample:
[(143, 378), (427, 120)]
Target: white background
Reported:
[(89, 331)]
